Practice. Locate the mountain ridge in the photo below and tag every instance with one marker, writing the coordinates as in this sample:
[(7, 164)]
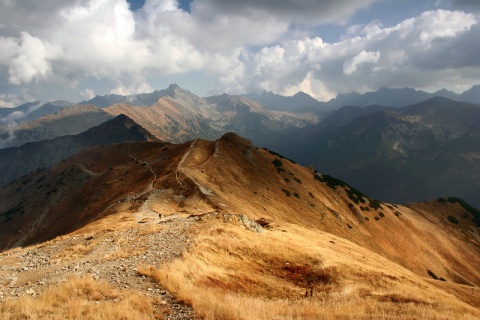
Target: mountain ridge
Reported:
[(222, 221), (17, 161), (414, 153)]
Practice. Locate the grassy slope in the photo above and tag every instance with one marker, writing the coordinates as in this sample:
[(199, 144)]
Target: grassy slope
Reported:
[(368, 259), (231, 273)]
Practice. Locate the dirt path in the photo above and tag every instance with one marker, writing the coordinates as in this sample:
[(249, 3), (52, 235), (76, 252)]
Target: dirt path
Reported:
[(179, 166), (112, 256)]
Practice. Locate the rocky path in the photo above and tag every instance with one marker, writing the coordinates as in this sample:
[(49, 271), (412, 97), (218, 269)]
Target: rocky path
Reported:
[(112, 256)]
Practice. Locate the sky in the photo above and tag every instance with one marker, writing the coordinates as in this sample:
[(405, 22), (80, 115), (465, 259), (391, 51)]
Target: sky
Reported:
[(74, 50)]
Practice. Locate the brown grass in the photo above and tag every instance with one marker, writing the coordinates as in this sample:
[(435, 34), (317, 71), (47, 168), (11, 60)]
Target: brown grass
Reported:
[(81, 298), (230, 273)]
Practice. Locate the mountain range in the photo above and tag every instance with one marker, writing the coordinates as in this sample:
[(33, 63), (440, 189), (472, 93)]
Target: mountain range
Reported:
[(390, 152), (18, 161), (205, 228), (418, 152), (389, 97), (176, 116), (298, 103)]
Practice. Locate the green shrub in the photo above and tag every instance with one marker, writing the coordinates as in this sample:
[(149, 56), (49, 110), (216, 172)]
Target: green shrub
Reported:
[(452, 219), (330, 181), (375, 204), (287, 193), (475, 212), (381, 214), (277, 163), (279, 155), (298, 180), (296, 195)]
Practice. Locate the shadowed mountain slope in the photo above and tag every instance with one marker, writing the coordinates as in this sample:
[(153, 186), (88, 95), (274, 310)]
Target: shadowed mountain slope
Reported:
[(17, 161), (415, 153)]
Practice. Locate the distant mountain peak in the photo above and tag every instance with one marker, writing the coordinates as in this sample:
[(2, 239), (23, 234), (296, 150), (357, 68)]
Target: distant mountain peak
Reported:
[(301, 94)]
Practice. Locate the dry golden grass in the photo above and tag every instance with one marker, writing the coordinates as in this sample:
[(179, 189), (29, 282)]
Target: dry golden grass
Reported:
[(80, 298), (231, 273), (74, 252)]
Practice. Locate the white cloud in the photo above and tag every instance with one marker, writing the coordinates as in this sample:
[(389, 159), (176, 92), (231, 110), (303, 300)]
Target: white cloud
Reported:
[(87, 93), (32, 59), (248, 45), (362, 58), (15, 115), (366, 59), (128, 89), (8, 100)]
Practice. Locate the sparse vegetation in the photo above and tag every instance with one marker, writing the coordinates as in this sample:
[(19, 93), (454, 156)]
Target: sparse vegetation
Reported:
[(287, 193), (277, 163), (297, 180), (330, 181), (453, 220), (467, 207), (279, 155), (296, 195), (80, 298)]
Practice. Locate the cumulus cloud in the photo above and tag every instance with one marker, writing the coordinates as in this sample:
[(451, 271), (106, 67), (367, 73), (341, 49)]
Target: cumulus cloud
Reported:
[(362, 58), (128, 89), (31, 59), (366, 59), (87, 93), (8, 100), (247, 45)]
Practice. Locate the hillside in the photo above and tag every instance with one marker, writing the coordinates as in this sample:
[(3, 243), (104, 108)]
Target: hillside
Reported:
[(17, 161), (325, 249), (67, 121), (415, 153)]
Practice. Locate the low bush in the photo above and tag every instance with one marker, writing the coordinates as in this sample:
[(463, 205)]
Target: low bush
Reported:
[(452, 219)]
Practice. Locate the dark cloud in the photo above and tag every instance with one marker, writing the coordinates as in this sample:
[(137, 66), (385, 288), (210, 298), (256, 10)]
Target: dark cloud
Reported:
[(467, 5), (295, 11)]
